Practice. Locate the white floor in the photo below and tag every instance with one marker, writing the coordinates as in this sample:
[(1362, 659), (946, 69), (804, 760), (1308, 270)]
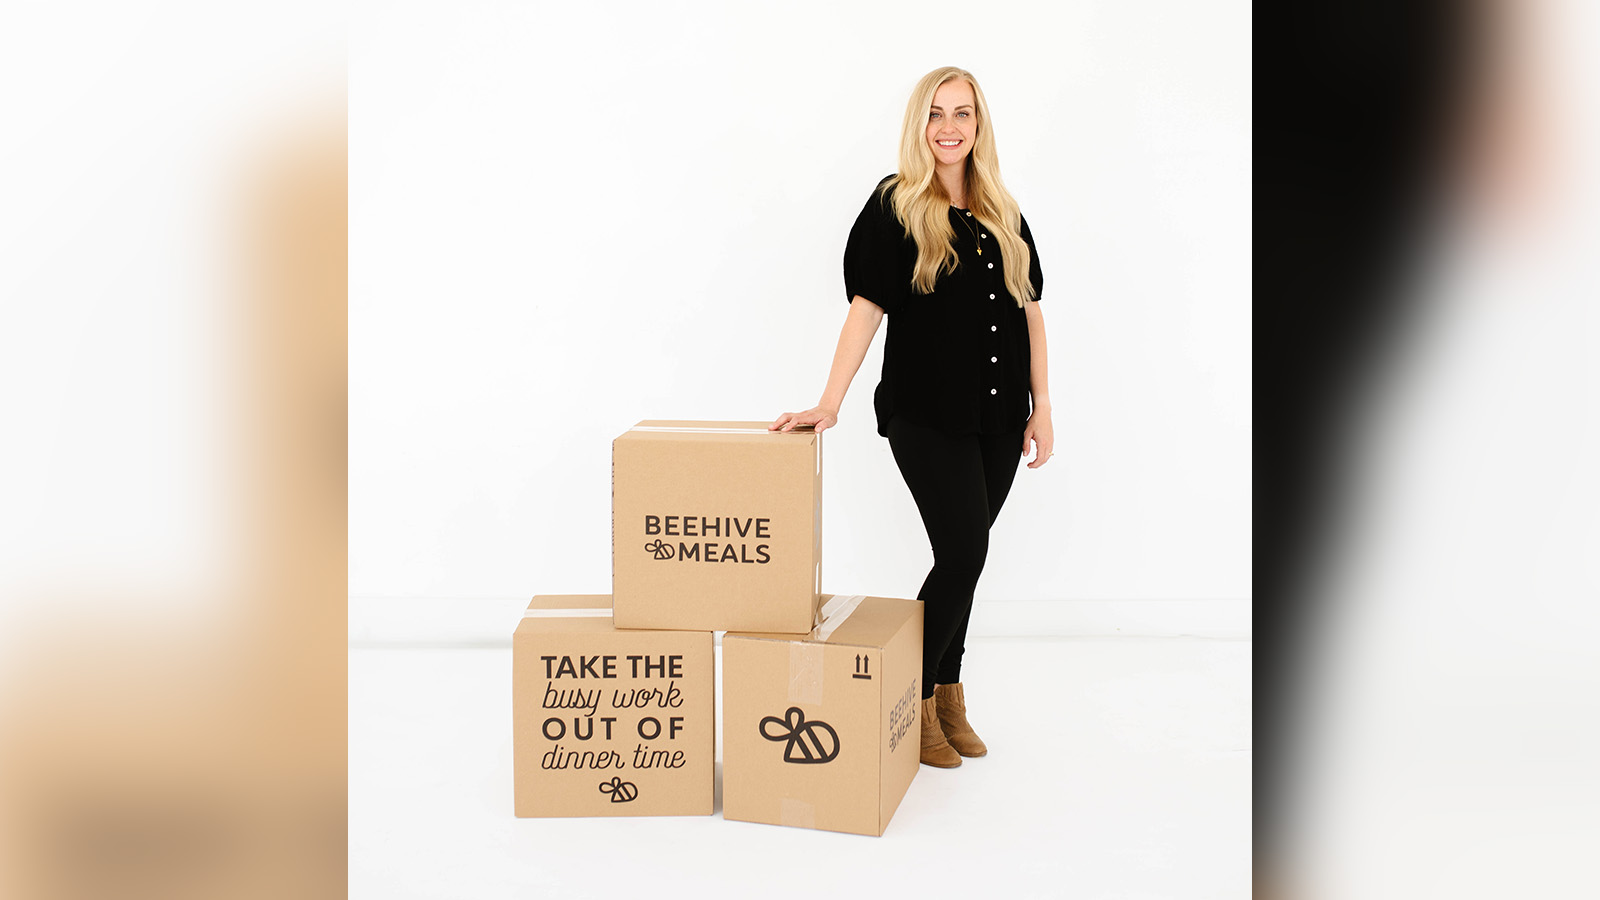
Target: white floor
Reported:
[(1118, 767)]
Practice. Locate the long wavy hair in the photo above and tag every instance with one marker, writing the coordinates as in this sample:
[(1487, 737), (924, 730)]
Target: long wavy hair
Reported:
[(922, 204)]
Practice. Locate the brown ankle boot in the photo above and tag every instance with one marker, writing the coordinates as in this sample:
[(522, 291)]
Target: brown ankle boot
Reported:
[(936, 751), (951, 704)]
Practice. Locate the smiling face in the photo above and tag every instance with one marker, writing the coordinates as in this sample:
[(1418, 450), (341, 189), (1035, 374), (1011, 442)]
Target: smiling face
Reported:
[(952, 123)]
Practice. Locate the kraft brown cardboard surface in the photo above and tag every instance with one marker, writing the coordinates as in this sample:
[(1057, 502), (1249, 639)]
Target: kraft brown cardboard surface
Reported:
[(822, 730), (609, 722), (716, 526)]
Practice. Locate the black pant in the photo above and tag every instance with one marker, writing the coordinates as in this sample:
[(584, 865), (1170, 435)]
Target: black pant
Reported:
[(959, 483)]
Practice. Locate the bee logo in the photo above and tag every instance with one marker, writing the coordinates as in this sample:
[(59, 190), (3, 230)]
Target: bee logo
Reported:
[(660, 548), (807, 742), (620, 791)]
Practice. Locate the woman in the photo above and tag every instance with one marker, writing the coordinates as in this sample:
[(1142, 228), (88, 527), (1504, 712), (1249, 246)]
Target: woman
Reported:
[(942, 249)]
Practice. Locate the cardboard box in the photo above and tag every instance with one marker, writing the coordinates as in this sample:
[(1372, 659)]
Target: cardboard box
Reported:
[(716, 526), (824, 730), (609, 722)]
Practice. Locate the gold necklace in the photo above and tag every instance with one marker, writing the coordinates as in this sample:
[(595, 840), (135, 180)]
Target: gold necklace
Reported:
[(975, 239)]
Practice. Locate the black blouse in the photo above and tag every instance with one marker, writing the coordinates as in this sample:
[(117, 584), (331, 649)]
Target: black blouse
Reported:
[(957, 359)]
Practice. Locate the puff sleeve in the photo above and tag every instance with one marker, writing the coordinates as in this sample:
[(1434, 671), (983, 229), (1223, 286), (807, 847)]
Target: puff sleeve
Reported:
[(1035, 274), (874, 257)]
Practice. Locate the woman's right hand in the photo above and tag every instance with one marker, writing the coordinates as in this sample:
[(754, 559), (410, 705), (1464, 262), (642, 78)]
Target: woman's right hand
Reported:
[(820, 417)]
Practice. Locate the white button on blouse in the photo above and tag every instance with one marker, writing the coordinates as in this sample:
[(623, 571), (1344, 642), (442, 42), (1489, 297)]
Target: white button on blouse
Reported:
[(992, 391)]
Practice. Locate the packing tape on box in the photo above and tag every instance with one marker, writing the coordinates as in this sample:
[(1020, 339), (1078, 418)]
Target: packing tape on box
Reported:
[(805, 655), (834, 612), (805, 672), (583, 613), (796, 813), (698, 429)]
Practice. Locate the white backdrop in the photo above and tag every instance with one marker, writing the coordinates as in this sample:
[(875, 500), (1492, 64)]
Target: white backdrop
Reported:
[(569, 217)]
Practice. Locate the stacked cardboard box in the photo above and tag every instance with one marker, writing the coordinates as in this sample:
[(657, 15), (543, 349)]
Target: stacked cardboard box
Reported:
[(717, 526), (609, 722), (821, 730)]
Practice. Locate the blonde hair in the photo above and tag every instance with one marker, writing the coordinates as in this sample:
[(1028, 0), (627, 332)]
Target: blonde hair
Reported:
[(922, 204)]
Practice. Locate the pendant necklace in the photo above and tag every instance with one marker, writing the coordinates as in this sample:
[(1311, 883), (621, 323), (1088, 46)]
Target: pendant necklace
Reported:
[(974, 233)]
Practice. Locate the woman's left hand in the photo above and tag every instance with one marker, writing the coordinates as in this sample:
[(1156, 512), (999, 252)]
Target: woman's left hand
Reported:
[(1041, 435)]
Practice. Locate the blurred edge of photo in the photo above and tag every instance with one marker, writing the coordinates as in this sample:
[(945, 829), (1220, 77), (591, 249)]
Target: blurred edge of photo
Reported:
[(172, 651)]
